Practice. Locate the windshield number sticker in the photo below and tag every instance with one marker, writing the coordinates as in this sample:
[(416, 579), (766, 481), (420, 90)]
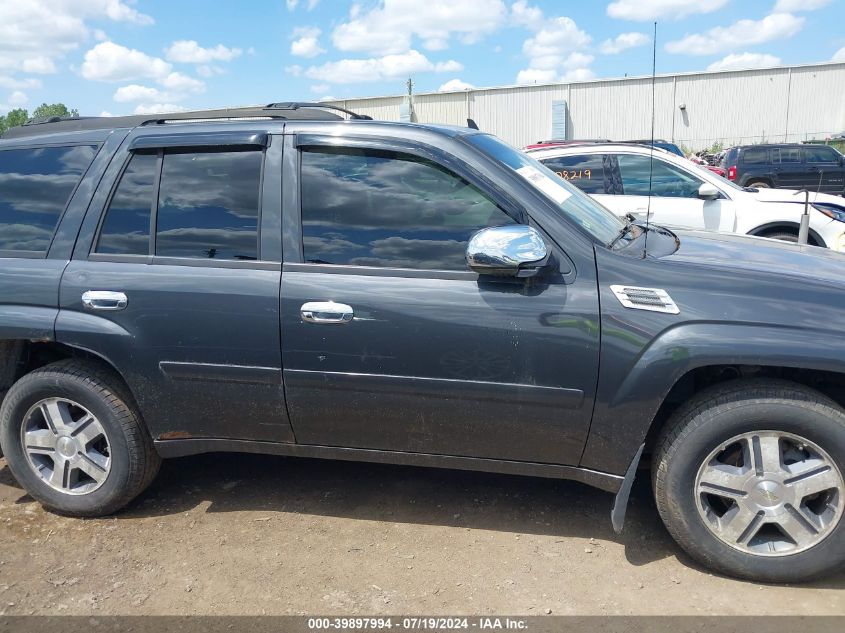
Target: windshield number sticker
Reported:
[(576, 174), (544, 183)]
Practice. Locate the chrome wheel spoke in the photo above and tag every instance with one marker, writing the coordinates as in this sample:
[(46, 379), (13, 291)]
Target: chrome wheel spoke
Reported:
[(56, 415), (765, 451), (738, 525), (58, 477), (41, 441), (722, 480), (92, 469), (813, 481), (87, 430), (798, 527)]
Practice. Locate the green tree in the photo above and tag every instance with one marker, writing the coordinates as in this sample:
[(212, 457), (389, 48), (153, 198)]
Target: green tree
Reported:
[(54, 109), (18, 116)]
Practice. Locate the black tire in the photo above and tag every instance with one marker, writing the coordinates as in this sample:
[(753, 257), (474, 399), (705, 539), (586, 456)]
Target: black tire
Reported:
[(760, 184), (784, 236), (134, 462), (715, 416)]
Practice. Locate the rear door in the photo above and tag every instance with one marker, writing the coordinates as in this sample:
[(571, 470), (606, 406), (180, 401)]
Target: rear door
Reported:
[(788, 167), (391, 343), (826, 172), (175, 280)]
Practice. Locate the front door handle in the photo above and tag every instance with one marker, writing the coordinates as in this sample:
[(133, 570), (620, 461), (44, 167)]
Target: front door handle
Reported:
[(327, 312), (104, 300)]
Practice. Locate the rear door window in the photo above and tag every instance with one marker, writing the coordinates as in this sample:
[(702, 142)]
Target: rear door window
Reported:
[(35, 187), (585, 171), (755, 156), (208, 205), (126, 228)]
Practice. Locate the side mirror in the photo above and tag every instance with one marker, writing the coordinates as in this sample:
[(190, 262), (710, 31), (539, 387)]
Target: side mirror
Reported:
[(507, 251), (708, 192)]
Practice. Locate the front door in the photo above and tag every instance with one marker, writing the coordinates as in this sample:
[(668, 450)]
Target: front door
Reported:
[(674, 199), (826, 173), (390, 342), (788, 167), (178, 289)]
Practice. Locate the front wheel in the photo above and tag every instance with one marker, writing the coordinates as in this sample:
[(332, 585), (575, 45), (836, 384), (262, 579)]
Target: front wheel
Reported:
[(748, 479), (74, 441)]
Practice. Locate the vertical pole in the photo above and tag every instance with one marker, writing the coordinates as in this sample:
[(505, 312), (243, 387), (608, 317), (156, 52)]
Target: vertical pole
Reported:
[(788, 97), (674, 103), (804, 227)]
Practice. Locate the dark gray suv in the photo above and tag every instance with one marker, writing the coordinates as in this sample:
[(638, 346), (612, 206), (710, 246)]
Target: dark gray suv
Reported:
[(297, 281)]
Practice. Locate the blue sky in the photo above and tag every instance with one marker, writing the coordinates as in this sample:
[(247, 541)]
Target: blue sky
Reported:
[(124, 56)]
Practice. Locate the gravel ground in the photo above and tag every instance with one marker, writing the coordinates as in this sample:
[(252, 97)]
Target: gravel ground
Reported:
[(248, 534)]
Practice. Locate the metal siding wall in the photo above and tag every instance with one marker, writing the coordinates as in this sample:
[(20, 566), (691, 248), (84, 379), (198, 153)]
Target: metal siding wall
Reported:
[(747, 106)]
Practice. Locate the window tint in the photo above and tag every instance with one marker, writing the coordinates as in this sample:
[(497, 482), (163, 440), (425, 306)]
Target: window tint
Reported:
[(786, 155), (208, 205), (126, 228), (585, 171), (35, 185), (379, 208), (667, 180), (755, 156), (820, 155)]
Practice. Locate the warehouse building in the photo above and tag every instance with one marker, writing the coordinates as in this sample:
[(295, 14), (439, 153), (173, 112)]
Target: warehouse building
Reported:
[(694, 110)]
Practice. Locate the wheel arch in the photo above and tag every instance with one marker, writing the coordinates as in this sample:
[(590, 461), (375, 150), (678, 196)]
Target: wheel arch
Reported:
[(784, 225)]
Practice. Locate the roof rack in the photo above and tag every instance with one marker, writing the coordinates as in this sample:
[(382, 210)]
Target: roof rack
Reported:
[(273, 111)]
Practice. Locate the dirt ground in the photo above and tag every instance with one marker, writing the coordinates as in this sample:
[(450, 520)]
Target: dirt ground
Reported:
[(247, 534)]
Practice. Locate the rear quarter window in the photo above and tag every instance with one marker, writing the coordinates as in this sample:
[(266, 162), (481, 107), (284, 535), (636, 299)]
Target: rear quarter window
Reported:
[(35, 187), (754, 156)]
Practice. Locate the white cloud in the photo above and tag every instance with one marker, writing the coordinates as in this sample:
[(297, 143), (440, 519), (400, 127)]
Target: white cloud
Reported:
[(40, 65), (292, 4), (739, 61), (623, 42), (839, 56), (455, 84), (135, 92), (577, 74), (391, 26), (11, 83), (648, 10), (108, 61), (17, 99), (776, 26), (175, 87), (159, 108), (557, 44), (536, 76), (294, 70), (527, 16), (793, 6), (306, 43), (347, 71), (190, 52), (320, 88), (37, 33)]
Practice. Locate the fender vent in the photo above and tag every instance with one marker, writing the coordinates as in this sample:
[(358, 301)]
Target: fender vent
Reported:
[(652, 299)]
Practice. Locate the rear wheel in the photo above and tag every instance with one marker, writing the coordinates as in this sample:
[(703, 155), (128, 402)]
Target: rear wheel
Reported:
[(749, 480), (74, 441), (759, 184)]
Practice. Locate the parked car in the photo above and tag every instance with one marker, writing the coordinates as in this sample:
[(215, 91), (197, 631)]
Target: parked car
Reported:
[(787, 166), (286, 282), (686, 195), (661, 144)]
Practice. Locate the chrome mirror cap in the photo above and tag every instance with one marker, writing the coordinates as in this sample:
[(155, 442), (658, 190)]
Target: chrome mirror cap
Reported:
[(507, 251)]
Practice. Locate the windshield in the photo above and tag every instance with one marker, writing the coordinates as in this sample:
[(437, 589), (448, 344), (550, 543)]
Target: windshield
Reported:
[(577, 206)]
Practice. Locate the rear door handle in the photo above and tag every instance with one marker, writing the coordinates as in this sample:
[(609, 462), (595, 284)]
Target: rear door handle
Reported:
[(104, 300), (327, 312)]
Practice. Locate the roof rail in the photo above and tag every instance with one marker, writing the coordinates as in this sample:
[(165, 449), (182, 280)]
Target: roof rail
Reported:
[(273, 111), (293, 105)]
